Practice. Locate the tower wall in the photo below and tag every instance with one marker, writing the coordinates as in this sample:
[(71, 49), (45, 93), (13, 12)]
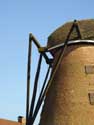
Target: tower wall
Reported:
[(70, 99), (68, 102)]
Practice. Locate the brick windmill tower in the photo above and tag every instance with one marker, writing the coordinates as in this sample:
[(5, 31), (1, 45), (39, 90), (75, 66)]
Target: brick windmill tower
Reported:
[(70, 98)]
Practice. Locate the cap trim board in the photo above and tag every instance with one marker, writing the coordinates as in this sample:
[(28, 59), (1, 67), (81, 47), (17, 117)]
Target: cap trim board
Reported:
[(71, 42)]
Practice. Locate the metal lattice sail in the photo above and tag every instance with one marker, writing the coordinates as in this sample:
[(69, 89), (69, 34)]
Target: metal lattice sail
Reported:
[(68, 94)]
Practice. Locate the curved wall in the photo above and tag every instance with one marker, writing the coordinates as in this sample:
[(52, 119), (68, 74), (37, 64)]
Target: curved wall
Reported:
[(70, 99)]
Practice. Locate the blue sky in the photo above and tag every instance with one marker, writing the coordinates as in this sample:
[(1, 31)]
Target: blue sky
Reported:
[(17, 19)]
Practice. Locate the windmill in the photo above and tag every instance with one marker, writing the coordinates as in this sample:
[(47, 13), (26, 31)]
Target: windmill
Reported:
[(68, 94)]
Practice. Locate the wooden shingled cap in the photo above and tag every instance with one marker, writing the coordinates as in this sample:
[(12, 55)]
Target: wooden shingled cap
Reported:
[(86, 28)]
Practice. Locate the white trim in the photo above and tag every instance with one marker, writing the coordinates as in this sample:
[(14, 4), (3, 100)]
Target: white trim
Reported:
[(72, 42)]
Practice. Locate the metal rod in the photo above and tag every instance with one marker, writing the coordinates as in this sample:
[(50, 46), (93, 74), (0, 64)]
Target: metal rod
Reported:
[(28, 78), (78, 29), (45, 80), (52, 76), (35, 86), (35, 40), (39, 46), (30, 119)]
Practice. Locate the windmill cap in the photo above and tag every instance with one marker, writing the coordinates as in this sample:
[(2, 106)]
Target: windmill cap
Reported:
[(86, 29)]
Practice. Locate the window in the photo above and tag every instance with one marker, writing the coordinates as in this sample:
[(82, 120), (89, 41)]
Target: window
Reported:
[(91, 98)]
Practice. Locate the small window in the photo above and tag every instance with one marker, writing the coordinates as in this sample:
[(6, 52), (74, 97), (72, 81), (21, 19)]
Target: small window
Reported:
[(91, 83), (89, 69), (91, 98)]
